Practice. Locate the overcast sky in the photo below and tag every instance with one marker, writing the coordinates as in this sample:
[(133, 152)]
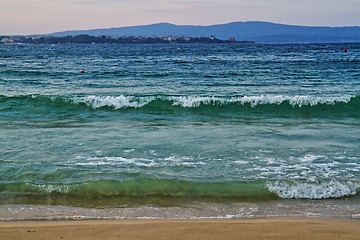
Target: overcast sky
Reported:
[(46, 16)]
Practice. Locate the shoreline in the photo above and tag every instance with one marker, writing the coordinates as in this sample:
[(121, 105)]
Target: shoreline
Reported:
[(264, 228), (332, 208)]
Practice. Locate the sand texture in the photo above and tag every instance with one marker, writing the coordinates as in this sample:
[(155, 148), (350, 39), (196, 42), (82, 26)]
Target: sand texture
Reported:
[(285, 228)]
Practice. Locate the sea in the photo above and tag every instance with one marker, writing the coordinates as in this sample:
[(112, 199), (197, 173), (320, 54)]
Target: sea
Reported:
[(168, 131)]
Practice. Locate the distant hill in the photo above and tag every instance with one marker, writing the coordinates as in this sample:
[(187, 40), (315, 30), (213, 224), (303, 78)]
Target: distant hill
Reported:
[(261, 32)]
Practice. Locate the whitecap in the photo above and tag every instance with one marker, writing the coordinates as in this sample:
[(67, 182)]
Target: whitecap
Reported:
[(115, 102), (122, 101), (313, 190)]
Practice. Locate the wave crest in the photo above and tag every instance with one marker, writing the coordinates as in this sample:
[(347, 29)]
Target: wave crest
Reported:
[(269, 105), (115, 102), (196, 101), (314, 190), (142, 187)]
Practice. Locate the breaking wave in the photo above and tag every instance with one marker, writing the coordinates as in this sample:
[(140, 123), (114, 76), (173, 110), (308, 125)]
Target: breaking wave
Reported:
[(314, 190), (159, 187), (196, 101), (271, 104)]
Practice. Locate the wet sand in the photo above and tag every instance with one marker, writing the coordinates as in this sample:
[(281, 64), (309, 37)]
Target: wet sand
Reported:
[(274, 228)]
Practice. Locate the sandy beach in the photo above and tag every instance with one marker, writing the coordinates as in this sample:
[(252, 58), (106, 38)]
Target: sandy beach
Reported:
[(275, 228)]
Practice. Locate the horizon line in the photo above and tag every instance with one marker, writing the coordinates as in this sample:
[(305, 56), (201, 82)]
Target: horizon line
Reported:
[(155, 23)]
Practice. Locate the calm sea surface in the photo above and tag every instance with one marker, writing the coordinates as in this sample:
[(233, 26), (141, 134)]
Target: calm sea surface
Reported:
[(179, 131)]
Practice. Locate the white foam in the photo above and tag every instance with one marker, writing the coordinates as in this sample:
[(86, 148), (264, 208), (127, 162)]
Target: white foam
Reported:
[(112, 161), (115, 102), (50, 188), (313, 190), (122, 101), (310, 158), (297, 100), (139, 162), (189, 101), (128, 150), (241, 162)]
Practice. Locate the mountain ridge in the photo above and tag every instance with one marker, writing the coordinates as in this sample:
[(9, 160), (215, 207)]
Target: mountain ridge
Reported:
[(258, 31)]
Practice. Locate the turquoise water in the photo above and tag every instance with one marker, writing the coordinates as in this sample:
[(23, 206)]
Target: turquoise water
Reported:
[(173, 125)]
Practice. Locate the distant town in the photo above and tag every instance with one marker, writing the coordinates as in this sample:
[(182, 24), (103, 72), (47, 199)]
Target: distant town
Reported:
[(87, 39)]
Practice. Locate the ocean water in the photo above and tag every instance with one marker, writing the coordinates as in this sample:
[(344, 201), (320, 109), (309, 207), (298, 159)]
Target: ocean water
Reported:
[(179, 131)]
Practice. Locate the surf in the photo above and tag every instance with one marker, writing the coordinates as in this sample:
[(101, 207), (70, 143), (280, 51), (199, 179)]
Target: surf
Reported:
[(307, 105), (154, 191)]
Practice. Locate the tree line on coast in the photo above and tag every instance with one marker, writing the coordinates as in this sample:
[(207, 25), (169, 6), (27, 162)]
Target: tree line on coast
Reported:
[(87, 39)]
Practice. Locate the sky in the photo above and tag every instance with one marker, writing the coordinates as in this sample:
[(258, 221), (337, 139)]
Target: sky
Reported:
[(47, 16)]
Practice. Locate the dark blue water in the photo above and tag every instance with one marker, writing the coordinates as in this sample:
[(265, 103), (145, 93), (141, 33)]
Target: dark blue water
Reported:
[(174, 124)]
